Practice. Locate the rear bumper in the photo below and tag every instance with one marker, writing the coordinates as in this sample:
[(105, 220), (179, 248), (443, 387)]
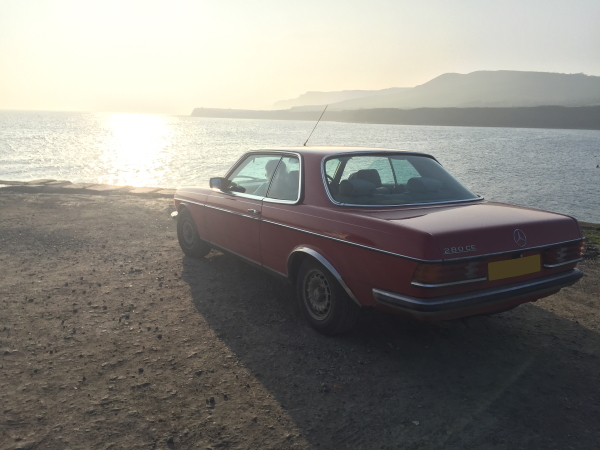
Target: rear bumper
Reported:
[(459, 305)]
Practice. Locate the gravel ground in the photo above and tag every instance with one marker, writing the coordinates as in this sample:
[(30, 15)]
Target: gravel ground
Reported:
[(111, 339)]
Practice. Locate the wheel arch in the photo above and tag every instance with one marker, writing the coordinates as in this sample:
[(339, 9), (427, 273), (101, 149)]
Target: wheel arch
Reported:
[(299, 254), (183, 206)]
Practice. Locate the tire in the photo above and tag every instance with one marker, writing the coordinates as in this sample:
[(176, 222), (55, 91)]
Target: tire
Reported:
[(324, 303), (188, 237)]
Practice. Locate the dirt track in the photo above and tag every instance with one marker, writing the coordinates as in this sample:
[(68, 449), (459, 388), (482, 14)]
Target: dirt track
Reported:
[(111, 339)]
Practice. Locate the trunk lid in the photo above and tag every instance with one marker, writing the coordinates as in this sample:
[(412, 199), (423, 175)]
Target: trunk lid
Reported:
[(482, 228)]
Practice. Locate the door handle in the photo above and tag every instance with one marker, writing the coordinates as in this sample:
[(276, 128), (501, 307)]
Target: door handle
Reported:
[(254, 211)]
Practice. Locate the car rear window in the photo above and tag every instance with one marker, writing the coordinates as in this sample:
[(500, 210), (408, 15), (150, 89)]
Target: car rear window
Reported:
[(391, 180)]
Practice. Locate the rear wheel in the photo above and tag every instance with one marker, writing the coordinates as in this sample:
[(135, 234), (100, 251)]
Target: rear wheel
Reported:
[(188, 237), (324, 303)]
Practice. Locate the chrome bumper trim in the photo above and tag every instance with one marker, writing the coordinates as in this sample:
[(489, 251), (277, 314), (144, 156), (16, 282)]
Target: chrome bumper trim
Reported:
[(453, 283), (573, 261), (438, 306)]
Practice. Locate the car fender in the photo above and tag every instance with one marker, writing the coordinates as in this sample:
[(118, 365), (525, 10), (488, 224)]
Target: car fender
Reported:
[(308, 250), (183, 205)]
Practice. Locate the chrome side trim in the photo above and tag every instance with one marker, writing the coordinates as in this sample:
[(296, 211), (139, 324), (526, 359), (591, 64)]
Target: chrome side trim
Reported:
[(353, 243), (410, 258), (182, 191), (233, 212), (551, 266), (183, 200), (329, 267), (335, 202), (454, 283), (521, 250)]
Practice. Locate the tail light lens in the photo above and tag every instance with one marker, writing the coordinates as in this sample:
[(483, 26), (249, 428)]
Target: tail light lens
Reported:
[(449, 273), (563, 254)]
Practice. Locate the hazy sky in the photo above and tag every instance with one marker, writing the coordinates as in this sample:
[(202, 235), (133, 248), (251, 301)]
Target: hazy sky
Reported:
[(172, 56)]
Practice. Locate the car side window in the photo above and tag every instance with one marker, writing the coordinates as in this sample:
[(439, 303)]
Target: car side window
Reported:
[(254, 174), (331, 167), (286, 180)]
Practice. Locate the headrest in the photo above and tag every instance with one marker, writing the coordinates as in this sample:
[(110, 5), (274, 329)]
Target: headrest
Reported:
[(423, 184), (293, 175), (370, 175), (356, 187)]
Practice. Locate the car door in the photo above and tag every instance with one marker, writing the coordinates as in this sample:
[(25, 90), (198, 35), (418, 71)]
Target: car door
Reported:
[(233, 215)]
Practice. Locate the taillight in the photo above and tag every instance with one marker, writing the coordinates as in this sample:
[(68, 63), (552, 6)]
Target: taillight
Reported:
[(561, 255), (447, 274)]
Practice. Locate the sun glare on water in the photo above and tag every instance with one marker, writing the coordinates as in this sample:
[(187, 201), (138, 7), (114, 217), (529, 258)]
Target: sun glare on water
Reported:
[(136, 149)]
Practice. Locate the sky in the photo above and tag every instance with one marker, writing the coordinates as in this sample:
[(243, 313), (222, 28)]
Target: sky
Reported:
[(168, 57)]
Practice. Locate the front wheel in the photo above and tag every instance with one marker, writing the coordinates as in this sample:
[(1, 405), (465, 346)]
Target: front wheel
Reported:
[(324, 303), (188, 237)]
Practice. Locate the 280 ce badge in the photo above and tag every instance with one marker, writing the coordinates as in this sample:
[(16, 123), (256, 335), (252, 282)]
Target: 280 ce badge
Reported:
[(466, 248)]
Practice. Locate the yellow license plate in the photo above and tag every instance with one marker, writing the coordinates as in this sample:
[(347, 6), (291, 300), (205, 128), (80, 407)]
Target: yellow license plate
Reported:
[(514, 267)]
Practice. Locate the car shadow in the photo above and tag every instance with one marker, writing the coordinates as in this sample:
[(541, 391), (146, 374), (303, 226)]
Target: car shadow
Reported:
[(526, 378)]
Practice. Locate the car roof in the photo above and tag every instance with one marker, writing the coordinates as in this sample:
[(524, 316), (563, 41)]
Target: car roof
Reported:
[(332, 150)]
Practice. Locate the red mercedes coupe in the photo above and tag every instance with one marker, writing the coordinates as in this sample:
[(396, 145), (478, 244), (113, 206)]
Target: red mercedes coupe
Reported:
[(368, 227)]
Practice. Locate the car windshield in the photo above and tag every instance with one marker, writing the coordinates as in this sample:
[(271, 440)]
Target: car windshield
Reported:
[(391, 180)]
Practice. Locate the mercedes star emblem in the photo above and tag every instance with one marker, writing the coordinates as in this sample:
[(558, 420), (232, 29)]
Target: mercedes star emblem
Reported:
[(520, 238)]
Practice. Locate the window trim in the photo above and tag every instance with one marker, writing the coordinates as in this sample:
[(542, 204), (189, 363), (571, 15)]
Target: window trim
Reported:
[(384, 153), (264, 198)]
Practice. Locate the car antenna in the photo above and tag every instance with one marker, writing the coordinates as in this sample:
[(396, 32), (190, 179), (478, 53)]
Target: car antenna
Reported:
[(313, 130)]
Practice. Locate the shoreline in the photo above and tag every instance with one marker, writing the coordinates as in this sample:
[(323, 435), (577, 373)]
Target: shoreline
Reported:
[(50, 186)]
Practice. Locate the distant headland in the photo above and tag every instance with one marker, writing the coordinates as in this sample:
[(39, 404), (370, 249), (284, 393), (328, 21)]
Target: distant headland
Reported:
[(585, 117), (478, 99)]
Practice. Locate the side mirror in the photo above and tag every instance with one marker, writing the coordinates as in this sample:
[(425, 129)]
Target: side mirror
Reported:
[(217, 183)]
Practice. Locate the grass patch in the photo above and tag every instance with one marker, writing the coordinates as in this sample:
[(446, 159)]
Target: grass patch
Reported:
[(592, 235)]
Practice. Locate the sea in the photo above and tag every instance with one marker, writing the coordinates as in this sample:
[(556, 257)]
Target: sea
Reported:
[(549, 169)]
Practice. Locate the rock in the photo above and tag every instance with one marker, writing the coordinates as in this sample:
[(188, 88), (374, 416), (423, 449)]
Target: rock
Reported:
[(108, 188), (145, 190), (79, 186)]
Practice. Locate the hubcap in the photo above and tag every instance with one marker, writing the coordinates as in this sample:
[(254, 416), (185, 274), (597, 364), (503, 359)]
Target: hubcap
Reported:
[(317, 295), (187, 232)]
